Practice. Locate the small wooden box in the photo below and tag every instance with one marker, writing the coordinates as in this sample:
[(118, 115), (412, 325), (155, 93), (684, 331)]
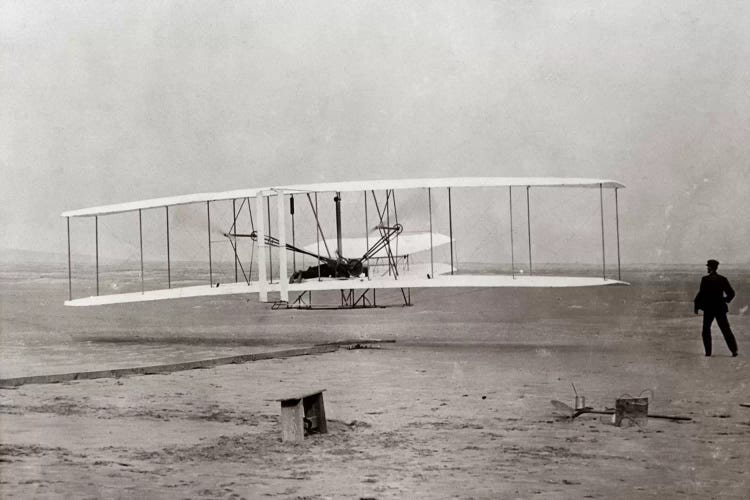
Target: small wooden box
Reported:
[(301, 415)]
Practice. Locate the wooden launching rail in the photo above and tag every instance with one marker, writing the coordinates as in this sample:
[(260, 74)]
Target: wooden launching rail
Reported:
[(165, 368)]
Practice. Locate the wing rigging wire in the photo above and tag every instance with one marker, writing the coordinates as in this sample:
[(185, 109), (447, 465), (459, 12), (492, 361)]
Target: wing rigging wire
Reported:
[(232, 236), (317, 223), (392, 265)]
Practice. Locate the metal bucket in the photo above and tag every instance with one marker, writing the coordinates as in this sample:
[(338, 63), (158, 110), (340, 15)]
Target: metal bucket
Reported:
[(580, 402)]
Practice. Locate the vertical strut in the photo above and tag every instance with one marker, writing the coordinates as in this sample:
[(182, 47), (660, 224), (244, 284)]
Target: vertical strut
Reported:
[(339, 242), (294, 243), (429, 206), (617, 224), (270, 259), (234, 230), (210, 261), (169, 259), (601, 213), (395, 215), (262, 248), (528, 224), (450, 226), (281, 221), (140, 238), (96, 237), (317, 234), (252, 247), (367, 234), (250, 213), (512, 258), (70, 272), (388, 224)]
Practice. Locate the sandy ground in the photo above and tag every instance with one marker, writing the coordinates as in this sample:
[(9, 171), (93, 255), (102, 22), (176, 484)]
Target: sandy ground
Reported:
[(458, 407)]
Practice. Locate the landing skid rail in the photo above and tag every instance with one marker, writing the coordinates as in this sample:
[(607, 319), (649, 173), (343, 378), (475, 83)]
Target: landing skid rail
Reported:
[(349, 300), (303, 301)]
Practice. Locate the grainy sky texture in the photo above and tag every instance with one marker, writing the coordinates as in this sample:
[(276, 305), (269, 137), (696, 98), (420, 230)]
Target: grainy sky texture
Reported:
[(104, 102)]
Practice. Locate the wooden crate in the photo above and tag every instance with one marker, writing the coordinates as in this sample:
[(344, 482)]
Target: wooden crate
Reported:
[(302, 414)]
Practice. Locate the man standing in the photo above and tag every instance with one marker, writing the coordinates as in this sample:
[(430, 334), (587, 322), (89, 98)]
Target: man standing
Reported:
[(713, 296)]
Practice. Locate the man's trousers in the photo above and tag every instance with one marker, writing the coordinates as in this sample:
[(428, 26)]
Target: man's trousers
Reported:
[(723, 322)]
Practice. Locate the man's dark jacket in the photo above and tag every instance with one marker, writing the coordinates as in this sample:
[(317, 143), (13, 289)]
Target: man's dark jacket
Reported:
[(711, 296)]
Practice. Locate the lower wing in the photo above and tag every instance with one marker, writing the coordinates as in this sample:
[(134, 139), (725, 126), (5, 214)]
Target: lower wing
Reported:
[(414, 278)]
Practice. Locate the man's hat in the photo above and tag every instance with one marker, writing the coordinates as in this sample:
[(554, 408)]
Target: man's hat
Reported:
[(712, 263)]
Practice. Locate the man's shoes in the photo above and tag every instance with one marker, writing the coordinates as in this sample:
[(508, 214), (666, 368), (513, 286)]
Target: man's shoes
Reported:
[(708, 355), (734, 354)]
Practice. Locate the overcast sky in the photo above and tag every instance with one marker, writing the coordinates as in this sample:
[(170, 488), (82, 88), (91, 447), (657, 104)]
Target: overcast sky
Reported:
[(104, 102)]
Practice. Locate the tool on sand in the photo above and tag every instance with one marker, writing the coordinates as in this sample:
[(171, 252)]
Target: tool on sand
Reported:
[(572, 413)]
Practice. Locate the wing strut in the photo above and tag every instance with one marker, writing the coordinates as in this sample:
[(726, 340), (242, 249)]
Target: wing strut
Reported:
[(617, 223), (367, 228), (512, 259), (262, 283), (337, 201), (395, 215), (270, 258), (140, 240), (70, 273), (294, 243), (252, 247), (210, 265), (319, 232), (169, 259), (450, 226), (281, 221), (390, 193), (528, 223), (429, 209), (96, 238), (234, 229), (601, 213)]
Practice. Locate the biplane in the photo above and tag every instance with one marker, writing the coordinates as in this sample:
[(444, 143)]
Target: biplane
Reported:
[(380, 253)]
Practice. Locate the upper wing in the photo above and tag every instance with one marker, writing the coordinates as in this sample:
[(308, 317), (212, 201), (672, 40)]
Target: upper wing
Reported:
[(452, 182)]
